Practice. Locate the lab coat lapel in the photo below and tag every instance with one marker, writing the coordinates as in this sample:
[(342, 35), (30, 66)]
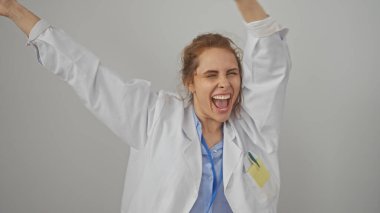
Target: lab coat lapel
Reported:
[(232, 153), (192, 149)]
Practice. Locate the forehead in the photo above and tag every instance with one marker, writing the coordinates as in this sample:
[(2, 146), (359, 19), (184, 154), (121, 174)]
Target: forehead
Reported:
[(217, 59)]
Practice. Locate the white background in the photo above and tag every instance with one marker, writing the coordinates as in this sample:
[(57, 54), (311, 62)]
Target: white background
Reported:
[(56, 157)]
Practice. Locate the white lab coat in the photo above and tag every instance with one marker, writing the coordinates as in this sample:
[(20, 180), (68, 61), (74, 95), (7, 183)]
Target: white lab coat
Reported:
[(165, 167)]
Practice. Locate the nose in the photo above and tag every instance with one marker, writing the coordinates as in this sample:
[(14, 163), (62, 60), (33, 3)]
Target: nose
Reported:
[(223, 82)]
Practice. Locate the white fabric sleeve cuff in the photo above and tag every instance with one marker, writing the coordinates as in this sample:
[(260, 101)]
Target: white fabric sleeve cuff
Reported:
[(265, 27), (37, 29)]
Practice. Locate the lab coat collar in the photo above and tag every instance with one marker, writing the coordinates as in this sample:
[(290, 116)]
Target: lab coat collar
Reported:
[(192, 149), (232, 153)]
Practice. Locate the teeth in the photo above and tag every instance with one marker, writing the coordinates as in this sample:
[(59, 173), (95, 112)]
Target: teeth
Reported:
[(221, 97)]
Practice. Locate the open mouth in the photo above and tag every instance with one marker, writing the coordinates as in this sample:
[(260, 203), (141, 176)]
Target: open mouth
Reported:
[(221, 102)]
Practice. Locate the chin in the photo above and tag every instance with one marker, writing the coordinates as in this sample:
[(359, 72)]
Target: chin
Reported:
[(220, 116)]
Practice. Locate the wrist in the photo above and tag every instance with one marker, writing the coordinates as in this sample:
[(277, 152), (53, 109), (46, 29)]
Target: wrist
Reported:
[(22, 17), (15, 10), (251, 10)]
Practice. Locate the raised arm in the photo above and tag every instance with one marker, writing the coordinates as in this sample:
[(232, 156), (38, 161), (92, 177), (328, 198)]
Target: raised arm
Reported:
[(21, 16), (266, 65), (126, 107)]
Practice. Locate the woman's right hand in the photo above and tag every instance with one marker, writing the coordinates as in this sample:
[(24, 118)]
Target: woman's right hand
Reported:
[(6, 6)]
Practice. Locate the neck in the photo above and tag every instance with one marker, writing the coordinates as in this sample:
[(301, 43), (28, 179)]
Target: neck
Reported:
[(211, 131), (210, 126)]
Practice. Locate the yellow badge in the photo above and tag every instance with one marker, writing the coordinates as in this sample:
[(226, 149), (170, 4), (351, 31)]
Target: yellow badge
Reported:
[(258, 171)]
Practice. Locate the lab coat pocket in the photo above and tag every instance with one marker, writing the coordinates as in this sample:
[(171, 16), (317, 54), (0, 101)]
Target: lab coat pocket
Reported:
[(260, 182)]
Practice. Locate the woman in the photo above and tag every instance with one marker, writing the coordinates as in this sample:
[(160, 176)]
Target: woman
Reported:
[(214, 153)]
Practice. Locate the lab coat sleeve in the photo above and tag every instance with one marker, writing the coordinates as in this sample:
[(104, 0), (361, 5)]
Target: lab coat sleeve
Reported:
[(125, 107), (266, 65)]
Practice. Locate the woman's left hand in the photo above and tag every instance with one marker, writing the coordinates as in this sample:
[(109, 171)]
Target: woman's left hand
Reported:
[(251, 10)]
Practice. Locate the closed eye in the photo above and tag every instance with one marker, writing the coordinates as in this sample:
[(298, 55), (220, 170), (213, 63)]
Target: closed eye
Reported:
[(233, 72), (211, 74)]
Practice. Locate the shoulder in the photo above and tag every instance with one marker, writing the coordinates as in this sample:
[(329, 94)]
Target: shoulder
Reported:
[(169, 104), (169, 100)]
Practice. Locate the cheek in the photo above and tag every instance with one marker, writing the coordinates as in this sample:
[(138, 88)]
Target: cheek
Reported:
[(204, 87), (203, 92), (236, 85)]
